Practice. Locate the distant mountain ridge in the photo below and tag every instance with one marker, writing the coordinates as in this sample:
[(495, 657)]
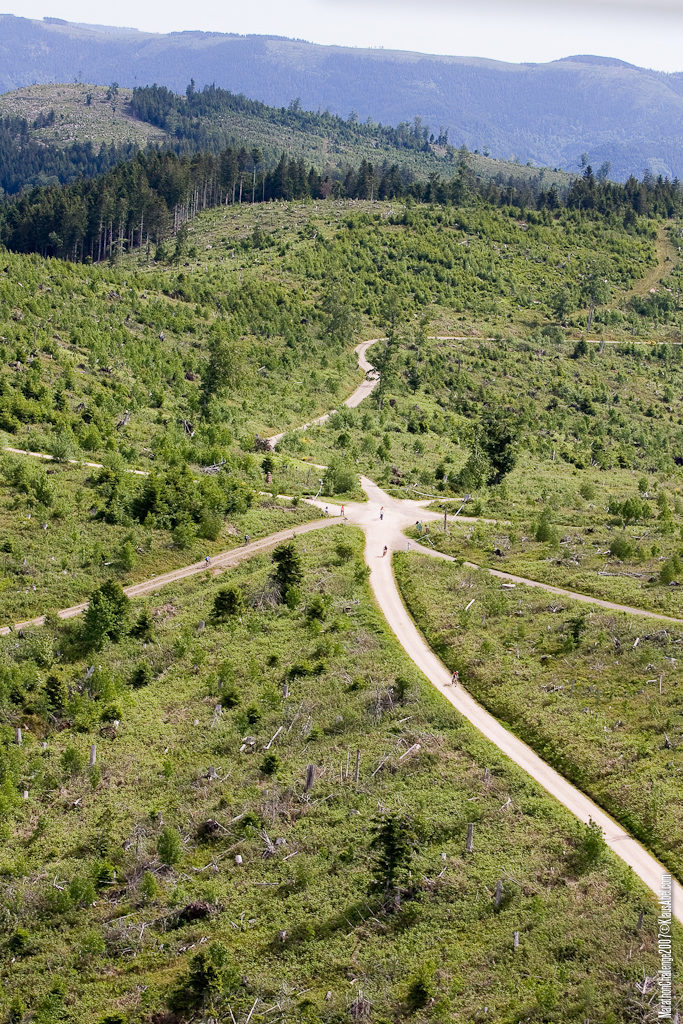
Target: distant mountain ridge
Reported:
[(549, 114)]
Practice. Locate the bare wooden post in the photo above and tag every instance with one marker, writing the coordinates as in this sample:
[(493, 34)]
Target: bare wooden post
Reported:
[(499, 893), (515, 940), (93, 754), (310, 778), (445, 517), (641, 917), (348, 754), (470, 838), (17, 733), (285, 690), (357, 765)]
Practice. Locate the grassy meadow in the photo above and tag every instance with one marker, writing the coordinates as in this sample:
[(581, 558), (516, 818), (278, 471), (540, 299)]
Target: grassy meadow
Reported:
[(596, 693)]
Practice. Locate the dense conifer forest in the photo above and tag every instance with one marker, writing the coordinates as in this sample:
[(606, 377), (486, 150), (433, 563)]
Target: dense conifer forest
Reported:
[(150, 197)]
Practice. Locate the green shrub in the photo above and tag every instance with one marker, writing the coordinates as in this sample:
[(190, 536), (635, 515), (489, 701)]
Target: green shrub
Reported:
[(228, 602), (72, 761), (143, 628), (142, 676), (81, 891), (401, 688), (208, 976), (592, 846), (621, 547), (149, 887), (230, 697), (300, 669), (169, 846), (343, 551), (670, 570), (317, 609), (103, 874), (421, 988), (107, 615), (270, 764), (288, 568), (127, 556), (210, 526), (19, 942), (393, 843), (183, 535), (56, 692), (17, 1010), (62, 448), (253, 714), (339, 478), (545, 532)]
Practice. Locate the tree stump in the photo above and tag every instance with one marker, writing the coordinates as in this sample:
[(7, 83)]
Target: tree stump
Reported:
[(499, 893)]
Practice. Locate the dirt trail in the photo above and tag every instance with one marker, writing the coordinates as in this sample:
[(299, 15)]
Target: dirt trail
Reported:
[(666, 260), (550, 589), (223, 560), (355, 398), (70, 462)]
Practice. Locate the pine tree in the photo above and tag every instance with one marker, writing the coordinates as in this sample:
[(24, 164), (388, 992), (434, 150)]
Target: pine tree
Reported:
[(228, 602), (393, 844), (107, 615), (56, 692), (289, 572)]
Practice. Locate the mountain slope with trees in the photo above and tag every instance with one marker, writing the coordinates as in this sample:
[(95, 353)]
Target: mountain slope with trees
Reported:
[(550, 114), (52, 134)]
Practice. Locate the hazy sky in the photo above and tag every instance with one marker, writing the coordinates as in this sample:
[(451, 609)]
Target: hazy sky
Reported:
[(649, 34)]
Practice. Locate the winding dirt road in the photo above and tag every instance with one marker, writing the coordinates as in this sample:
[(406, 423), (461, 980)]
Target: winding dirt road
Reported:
[(364, 389)]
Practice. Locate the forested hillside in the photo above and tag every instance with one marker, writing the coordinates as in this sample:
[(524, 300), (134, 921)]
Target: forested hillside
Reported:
[(57, 133), (153, 196), (618, 115), (183, 360)]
